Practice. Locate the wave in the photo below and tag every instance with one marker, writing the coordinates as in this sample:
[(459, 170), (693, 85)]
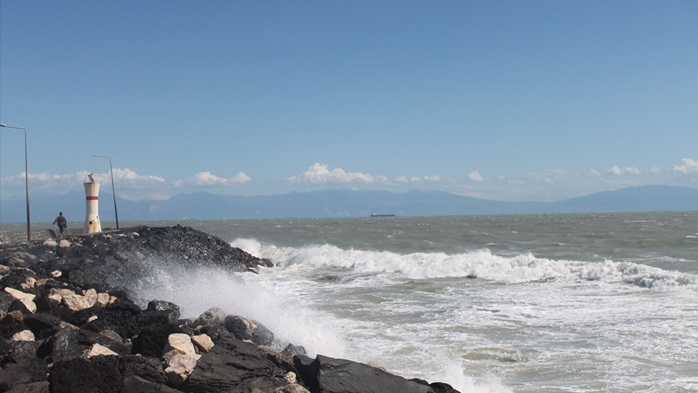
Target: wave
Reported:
[(482, 264)]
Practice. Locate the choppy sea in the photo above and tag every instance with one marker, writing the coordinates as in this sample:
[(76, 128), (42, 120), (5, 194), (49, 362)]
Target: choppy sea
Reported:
[(521, 303)]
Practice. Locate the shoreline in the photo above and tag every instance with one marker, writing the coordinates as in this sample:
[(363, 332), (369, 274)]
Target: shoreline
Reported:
[(66, 325)]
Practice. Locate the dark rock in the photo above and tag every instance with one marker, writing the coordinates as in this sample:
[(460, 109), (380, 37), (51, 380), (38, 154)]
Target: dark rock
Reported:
[(26, 370), (162, 306), (17, 305), (248, 329), (212, 316), (293, 350), (89, 338), (22, 349), (149, 369), (99, 374), (34, 387), (64, 345), (86, 279), (440, 387), (43, 325), (5, 301), (16, 278), (135, 384), (150, 318), (329, 375), (11, 323), (234, 366), (120, 315), (151, 341)]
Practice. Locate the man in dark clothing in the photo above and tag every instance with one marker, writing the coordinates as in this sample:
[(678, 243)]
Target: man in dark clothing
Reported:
[(61, 221)]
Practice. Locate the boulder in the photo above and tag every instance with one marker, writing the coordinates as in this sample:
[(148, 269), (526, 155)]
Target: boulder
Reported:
[(212, 316), (180, 366), (99, 374), (181, 343), (330, 375), (26, 298), (202, 342), (136, 384), (149, 369), (26, 370), (34, 387), (151, 340), (248, 329), (234, 366)]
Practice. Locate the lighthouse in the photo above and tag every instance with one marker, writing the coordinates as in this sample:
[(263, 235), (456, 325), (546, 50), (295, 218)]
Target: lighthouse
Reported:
[(92, 224)]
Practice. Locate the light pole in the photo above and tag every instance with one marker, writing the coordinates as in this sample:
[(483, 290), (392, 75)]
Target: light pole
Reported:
[(111, 172), (26, 176)]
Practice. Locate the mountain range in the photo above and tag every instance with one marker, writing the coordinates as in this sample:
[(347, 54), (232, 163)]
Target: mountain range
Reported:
[(342, 203)]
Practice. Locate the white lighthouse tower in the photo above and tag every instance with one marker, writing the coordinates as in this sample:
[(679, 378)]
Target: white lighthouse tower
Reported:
[(92, 224)]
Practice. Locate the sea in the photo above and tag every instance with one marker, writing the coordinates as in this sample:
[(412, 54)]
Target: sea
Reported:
[(504, 303)]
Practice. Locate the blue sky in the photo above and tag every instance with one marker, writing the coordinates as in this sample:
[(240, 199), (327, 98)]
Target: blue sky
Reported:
[(508, 100)]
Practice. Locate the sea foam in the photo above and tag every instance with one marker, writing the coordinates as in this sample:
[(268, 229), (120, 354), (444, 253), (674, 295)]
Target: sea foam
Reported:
[(482, 264)]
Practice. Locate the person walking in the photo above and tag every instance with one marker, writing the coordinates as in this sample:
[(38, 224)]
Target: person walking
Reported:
[(61, 221)]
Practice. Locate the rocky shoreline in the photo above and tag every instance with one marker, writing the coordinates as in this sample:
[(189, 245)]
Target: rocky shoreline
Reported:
[(67, 324)]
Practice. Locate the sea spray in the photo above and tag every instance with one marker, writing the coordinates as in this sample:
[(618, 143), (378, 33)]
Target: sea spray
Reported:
[(197, 288)]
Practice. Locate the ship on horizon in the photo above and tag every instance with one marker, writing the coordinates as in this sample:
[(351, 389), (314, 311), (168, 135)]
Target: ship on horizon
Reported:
[(382, 215)]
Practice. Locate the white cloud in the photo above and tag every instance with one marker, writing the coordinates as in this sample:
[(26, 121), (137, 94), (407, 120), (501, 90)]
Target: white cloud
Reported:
[(321, 174), (656, 170), (617, 171), (475, 176), (688, 165), (208, 179), (425, 179)]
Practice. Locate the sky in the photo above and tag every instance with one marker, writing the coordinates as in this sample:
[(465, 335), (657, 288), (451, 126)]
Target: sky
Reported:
[(508, 100)]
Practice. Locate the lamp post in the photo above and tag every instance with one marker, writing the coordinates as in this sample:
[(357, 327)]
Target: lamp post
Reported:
[(111, 172), (26, 176)]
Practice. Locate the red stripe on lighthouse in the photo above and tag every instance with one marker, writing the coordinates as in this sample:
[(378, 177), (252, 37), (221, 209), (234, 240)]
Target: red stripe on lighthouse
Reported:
[(92, 198)]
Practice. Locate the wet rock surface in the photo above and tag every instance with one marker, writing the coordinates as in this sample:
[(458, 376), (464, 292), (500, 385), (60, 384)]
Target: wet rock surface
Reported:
[(66, 325)]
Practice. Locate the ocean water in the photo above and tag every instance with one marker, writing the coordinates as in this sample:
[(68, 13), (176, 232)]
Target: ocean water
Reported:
[(526, 303)]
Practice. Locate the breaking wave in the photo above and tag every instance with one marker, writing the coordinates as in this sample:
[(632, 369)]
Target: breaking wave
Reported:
[(482, 264)]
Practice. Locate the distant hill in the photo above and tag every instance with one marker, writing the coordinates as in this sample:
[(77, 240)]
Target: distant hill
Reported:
[(343, 203)]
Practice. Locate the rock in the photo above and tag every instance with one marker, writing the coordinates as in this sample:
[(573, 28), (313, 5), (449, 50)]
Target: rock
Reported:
[(325, 374), (234, 365), (136, 384), (26, 370), (44, 325), (24, 335), (291, 388), (64, 345), (99, 374), (212, 316), (293, 350), (149, 369), (180, 366), (159, 308), (34, 387), (50, 243), (181, 343), (26, 298), (89, 335), (100, 350), (203, 342), (248, 329)]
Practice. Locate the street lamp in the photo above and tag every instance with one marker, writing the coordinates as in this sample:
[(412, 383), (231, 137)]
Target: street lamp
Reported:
[(26, 176), (111, 171)]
